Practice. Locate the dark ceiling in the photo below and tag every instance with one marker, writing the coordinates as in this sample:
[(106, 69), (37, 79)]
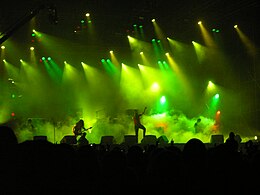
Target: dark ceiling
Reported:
[(114, 17)]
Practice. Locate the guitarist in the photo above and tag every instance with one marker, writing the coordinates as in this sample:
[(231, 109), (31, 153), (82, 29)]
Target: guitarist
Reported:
[(137, 123), (79, 128)]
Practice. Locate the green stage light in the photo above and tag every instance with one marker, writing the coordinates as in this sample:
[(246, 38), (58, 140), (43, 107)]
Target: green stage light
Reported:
[(162, 100), (215, 30), (216, 96)]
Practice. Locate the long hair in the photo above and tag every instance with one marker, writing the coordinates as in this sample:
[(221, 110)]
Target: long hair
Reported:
[(80, 123)]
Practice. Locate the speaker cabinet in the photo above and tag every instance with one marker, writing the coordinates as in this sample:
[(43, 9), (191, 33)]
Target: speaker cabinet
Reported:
[(149, 139), (163, 140), (40, 137), (217, 139), (69, 139), (107, 140), (130, 140)]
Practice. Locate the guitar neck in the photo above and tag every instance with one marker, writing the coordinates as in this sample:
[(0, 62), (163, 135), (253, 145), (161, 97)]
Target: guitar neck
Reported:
[(87, 128)]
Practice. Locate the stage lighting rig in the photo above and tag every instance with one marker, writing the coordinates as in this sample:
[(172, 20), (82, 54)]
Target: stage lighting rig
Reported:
[(53, 16)]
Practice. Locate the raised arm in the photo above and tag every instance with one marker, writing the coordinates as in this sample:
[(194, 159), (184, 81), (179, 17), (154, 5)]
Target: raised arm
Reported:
[(144, 111)]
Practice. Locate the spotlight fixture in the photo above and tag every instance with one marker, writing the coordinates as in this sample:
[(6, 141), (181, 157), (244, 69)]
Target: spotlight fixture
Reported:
[(53, 15)]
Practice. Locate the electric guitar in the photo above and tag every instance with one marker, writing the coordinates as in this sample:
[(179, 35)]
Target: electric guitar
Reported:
[(80, 131)]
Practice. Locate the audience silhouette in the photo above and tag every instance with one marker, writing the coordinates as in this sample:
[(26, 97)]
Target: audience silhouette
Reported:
[(195, 172), (41, 167), (7, 136)]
